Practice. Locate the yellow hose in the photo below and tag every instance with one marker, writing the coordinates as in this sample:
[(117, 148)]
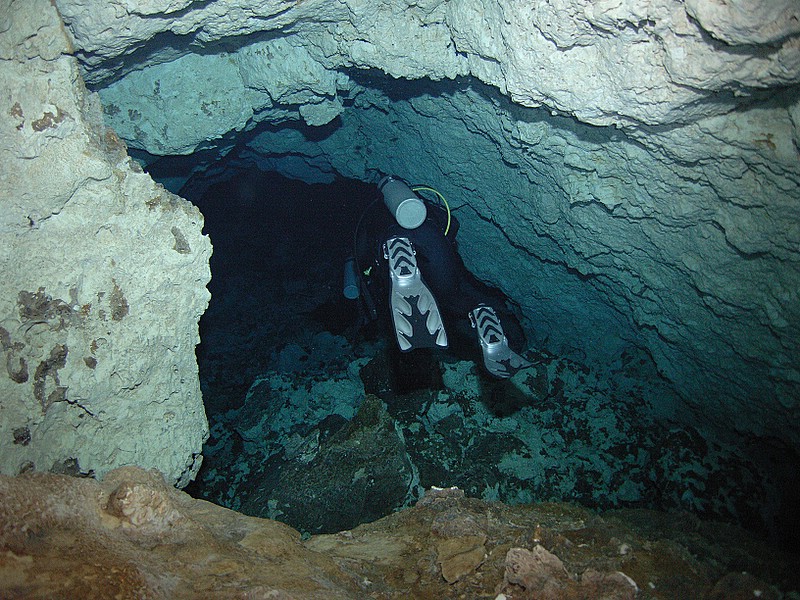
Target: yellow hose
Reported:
[(423, 188)]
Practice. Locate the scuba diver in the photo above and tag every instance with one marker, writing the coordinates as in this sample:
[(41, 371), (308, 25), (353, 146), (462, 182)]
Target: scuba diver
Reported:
[(427, 282)]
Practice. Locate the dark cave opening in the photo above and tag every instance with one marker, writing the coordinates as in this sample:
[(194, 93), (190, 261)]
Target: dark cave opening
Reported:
[(279, 247), (285, 360), (279, 250), (277, 307)]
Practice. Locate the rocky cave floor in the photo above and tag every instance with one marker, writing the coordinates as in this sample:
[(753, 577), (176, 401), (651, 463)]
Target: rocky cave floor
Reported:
[(284, 370), (132, 536)]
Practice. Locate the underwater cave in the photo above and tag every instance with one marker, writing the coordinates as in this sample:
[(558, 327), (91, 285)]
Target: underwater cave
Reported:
[(626, 191)]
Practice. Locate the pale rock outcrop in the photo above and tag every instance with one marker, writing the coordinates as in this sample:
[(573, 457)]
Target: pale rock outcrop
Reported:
[(618, 62), (744, 23), (104, 277), (190, 101)]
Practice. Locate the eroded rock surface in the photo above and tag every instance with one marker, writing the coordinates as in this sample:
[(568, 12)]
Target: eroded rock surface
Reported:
[(322, 461), (612, 62)]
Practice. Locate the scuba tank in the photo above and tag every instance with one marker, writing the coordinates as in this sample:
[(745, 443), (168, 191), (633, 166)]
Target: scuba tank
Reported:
[(406, 207)]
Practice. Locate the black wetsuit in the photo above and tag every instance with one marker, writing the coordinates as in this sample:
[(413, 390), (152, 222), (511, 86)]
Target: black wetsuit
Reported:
[(456, 289)]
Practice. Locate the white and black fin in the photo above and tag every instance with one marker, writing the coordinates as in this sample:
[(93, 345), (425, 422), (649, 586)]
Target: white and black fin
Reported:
[(499, 359), (417, 322)]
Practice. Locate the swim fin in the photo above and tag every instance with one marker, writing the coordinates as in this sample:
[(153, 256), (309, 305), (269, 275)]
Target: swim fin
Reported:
[(499, 359), (416, 317)]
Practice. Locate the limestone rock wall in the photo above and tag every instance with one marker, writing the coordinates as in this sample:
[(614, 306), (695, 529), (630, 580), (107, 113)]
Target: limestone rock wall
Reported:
[(104, 275), (634, 164), (622, 62)]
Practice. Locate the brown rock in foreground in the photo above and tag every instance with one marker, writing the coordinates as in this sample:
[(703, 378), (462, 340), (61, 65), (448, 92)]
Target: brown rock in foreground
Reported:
[(132, 536)]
